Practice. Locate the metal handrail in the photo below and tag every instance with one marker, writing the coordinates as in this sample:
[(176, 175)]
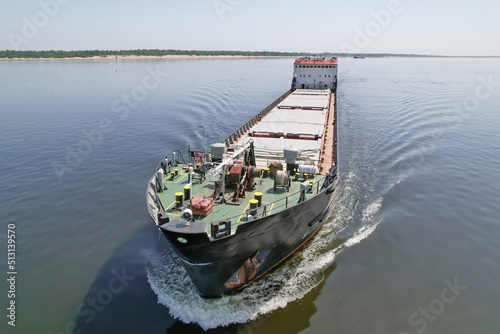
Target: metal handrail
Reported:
[(154, 186), (242, 129), (264, 207), (245, 127), (171, 155)]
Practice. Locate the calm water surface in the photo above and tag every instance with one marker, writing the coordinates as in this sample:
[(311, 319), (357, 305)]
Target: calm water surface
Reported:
[(412, 245)]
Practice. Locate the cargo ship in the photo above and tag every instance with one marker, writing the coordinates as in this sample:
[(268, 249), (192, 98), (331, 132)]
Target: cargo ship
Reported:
[(234, 212)]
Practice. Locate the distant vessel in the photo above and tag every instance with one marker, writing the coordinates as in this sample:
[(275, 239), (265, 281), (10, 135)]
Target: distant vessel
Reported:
[(236, 212), (359, 57)]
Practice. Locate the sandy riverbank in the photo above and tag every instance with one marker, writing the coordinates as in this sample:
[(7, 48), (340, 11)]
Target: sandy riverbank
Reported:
[(146, 57)]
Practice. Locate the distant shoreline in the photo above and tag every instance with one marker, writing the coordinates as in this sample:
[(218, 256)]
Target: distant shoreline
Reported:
[(135, 57), (111, 57), (135, 54)]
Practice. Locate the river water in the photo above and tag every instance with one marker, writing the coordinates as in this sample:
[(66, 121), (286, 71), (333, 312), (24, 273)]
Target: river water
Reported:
[(412, 245)]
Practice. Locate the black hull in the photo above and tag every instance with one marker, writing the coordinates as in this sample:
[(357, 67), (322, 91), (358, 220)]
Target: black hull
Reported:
[(224, 265)]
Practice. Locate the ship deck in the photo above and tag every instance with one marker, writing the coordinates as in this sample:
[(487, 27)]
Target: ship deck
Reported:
[(304, 120), (272, 200)]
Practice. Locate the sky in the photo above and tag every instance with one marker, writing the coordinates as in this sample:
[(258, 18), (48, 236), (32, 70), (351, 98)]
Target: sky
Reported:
[(439, 27)]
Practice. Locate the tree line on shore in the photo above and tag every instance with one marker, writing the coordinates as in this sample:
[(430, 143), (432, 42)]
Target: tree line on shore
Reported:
[(170, 52), (139, 52)]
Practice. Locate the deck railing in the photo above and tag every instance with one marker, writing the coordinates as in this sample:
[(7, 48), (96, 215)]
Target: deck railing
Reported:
[(245, 127), (282, 203), (151, 199)]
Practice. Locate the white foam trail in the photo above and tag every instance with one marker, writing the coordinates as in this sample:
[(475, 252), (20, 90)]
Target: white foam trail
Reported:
[(290, 281), (369, 215), (371, 210), (362, 234)]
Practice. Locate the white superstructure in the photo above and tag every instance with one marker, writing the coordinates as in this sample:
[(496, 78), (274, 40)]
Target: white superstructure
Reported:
[(315, 73)]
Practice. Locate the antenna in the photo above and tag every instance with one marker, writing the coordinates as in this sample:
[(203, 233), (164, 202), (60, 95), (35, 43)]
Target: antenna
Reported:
[(205, 155)]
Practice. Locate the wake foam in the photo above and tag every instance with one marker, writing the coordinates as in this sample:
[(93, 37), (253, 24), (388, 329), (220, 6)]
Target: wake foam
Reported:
[(287, 283), (348, 225)]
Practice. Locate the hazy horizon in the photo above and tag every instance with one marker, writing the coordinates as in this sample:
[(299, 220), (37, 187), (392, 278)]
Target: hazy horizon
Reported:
[(338, 54), (447, 28)]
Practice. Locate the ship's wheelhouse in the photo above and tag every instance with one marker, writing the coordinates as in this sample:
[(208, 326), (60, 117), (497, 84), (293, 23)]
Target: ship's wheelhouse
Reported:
[(315, 73)]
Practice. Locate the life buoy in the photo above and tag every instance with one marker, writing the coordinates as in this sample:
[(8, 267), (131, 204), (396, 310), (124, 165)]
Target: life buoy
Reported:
[(198, 157)]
